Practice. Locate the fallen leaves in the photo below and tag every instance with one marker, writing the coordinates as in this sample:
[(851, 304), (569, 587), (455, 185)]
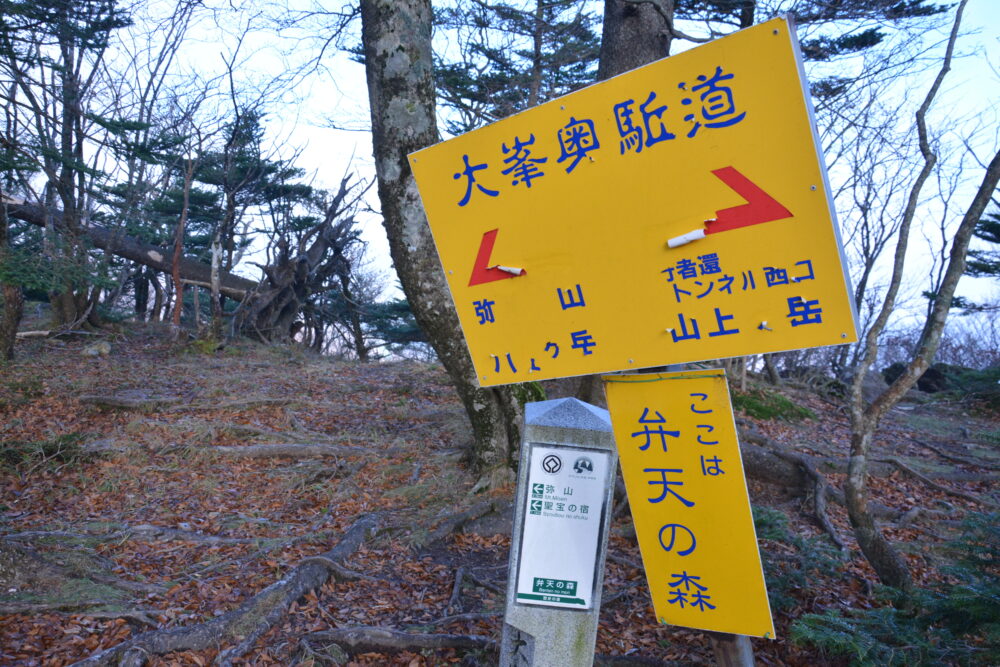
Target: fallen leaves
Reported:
[(272, 514)]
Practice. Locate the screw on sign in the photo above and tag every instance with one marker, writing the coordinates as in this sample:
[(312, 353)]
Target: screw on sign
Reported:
[(747, 261), (551, 464)]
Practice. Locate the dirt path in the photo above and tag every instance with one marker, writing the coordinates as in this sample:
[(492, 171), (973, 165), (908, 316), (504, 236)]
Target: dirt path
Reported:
[(158, 525)]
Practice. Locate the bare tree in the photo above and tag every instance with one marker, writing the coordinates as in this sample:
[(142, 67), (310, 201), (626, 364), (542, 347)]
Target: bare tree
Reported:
[(865, 418)]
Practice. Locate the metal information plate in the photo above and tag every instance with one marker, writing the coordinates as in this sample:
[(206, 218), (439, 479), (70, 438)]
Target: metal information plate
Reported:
[(562, 526)]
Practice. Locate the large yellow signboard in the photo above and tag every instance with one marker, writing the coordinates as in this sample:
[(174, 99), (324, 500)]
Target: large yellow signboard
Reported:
[(675, 213), (681, 462)]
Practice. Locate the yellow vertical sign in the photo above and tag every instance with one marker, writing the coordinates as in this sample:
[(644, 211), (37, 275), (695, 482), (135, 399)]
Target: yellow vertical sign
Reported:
[(679, 454)]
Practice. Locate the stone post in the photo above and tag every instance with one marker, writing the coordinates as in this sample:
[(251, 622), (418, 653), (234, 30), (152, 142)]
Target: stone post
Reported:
[(562, 514)]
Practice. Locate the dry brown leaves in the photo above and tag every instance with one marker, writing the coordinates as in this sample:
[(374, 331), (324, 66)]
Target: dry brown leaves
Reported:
[(164, 474)]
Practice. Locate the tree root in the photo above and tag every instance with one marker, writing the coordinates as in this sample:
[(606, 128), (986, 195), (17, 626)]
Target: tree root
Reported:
[(819, 504), (472, 616), (624, 590), (368, 639), (142, 532), (632, 661), (288, 451), (245, 624), (242, 404), (911, 515), (621, 560), (136, 401), (343, 574), (271, 544), (484, 584), (979, 500), (42, 607), (455, 601), (820, 488), (163, 534), (955, 459), (54, 576), (101, 609), (137, 617), (454, 522)]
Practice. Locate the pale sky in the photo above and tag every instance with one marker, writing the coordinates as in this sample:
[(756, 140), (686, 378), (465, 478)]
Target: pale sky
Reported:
[(340, 98)]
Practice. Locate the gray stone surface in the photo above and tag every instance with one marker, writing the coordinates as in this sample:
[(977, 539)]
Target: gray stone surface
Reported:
[(567, 413), (873, 386), (550, 636)]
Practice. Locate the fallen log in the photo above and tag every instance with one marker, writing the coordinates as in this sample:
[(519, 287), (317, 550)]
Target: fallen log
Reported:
[(122, 245), (243, 626), (20, 335)]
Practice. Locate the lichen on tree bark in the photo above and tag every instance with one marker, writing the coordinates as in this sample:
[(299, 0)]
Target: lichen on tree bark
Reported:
[(397, 45)]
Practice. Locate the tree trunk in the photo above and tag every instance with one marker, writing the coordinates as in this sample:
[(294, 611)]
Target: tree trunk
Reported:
[(216, 286), (535, 86), (158, 298), (396, 36), (889, 565), (13, 309), (353, 311), (179, 247), (11, 297), (635, 34), (865, 418), (140, 288), (772, 371)]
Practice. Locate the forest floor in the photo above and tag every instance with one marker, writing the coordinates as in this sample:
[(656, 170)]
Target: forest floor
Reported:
[(148, 491)]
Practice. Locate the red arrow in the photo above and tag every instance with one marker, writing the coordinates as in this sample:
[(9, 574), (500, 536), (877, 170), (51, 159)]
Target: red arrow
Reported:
[(482, 272), (760, 206)]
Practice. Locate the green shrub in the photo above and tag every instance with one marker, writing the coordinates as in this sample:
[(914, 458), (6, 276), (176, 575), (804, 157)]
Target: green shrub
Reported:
[(982, 386), (764, 404), (959, 623), (790, 572), (973, 605), (956, 382), (65, 448), (528, 392), (206, 345)]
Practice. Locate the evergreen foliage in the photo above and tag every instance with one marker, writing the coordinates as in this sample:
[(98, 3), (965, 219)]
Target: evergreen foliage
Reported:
[(58, 449), (958, 623), (980, 385), (85, 23), (512, 56), (986, 262), (393, 322), (792, 574)]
